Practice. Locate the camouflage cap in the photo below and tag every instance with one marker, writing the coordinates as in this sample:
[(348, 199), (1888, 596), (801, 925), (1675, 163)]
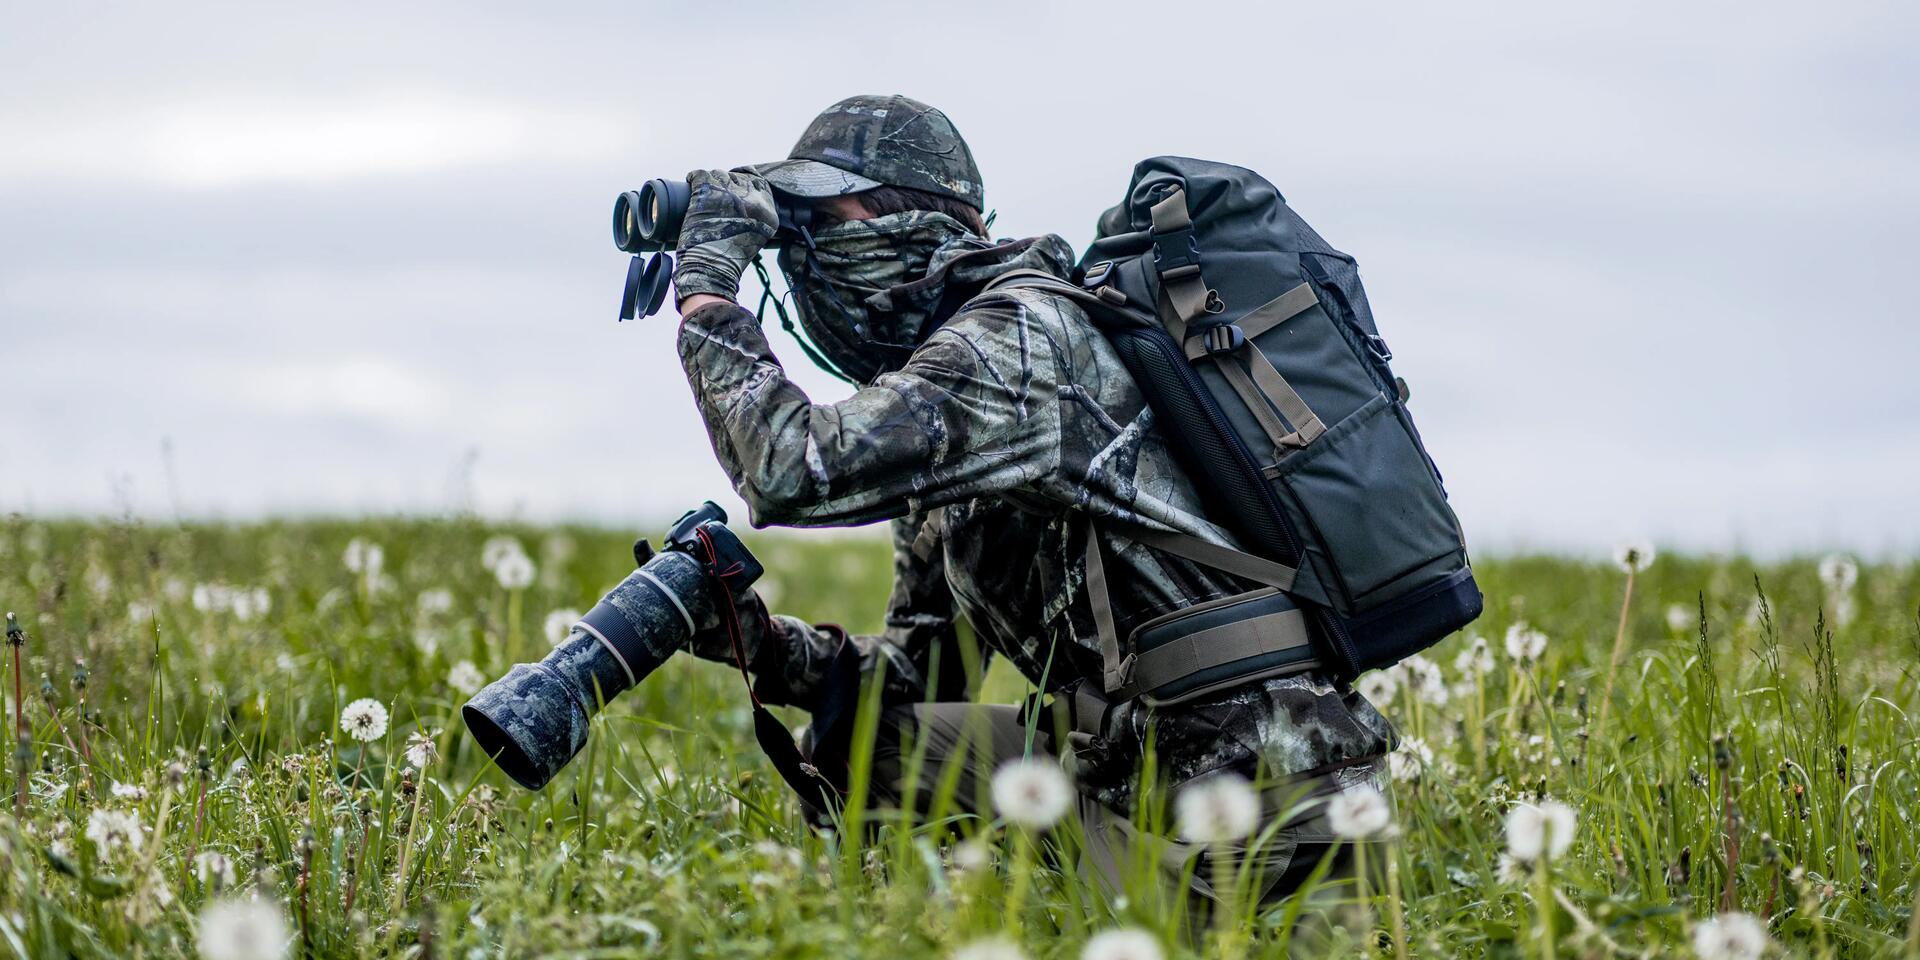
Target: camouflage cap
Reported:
[(865, 142)]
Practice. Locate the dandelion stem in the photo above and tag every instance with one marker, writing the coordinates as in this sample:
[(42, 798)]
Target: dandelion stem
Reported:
[(1396, 912), (413, 823), (1613, 659)]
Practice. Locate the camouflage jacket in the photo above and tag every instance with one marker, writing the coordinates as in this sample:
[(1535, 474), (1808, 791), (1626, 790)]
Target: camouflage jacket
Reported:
[(1009, 426)]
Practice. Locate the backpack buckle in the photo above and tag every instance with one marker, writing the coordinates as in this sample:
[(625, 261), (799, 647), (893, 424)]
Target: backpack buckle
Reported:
[(1222, 338), (1378, 347), (1176, 251), (1097, 274)]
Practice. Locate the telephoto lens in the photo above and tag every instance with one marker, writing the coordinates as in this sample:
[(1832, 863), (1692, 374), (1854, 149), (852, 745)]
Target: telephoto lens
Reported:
[(535, 719), (649, 218)]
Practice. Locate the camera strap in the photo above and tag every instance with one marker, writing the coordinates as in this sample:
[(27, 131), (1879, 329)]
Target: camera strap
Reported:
[(819, 793)]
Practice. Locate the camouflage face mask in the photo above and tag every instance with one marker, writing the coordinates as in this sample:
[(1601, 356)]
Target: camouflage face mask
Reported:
[(844, 287)]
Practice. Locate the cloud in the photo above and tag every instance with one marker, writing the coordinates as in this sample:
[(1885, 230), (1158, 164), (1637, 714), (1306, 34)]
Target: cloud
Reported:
[(227, 143)]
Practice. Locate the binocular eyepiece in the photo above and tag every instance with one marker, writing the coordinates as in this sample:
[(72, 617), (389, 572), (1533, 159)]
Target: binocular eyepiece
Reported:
[(649, 218), (535, 719)]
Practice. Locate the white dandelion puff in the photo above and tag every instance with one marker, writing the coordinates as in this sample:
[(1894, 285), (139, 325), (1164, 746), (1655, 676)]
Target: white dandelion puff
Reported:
[(250, 603), (1507, 870), (212, 597), (1730, 936), (364, 557), (421, 750), (129, 791), (1425, 680), (1031, 792), (514, 571), (364, 720), (1524, 643), (1410, 759), (1220, 808), (972, 855), (465, 678), (1539, 830), (243, 929), (1125, 943), (1476, 658), (559, 624), (214, 868), (1681, 618), (110, 830), (1633, 556), (1839, 572), (1359, 812), (498, 548), (435, 601), (991, 948), (1378, 687)]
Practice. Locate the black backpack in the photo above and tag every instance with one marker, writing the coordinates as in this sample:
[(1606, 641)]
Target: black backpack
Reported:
[(1252, 340)]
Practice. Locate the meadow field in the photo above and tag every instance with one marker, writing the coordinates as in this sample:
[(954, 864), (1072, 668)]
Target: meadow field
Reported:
[(186, 785)]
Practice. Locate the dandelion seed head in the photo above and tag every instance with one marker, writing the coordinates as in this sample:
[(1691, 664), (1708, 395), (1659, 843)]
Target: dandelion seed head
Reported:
[(1730, 936), (1680, 617), (1476, 658), (1425, 680), (421, 750), (113, 830), (1525, 645), (465, 678), (498, 548), (1220, 808), (434, 601), (1359, 812), (1125, 943), (559, 624), (991, 948), (1378, 687), (1537, 830), (215, 868), (971, 855), (128, 791), (1839, 572), (1633, 556), (1031, 792), (250, 603), (248, 928), (514, 571), (364, 720), (1409, 760), (364, 557)]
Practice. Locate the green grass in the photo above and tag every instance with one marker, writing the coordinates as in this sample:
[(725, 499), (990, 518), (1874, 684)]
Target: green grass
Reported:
[(671, 836)]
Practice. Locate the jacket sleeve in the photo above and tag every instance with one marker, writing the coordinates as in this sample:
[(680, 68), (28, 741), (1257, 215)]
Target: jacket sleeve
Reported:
[(973, 412), (919, 644)]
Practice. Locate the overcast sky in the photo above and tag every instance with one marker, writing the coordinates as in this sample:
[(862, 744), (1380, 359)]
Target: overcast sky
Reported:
[(1646, 266)]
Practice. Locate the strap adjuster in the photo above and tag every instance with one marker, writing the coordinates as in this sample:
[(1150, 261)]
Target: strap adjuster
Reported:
[(1221, 338), (1097, 274)]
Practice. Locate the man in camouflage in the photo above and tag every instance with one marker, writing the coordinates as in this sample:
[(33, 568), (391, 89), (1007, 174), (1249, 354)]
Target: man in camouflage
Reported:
[(988, 429)]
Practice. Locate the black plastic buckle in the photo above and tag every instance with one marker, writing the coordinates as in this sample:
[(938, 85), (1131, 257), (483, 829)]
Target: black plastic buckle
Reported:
[(1097, 274), (1175, 250), (1222, 338)]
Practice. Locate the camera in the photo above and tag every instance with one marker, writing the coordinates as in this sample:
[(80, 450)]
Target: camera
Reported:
[(535, 719)]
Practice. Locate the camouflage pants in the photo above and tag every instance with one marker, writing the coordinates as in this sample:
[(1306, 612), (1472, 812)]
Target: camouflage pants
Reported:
[(977, 738)]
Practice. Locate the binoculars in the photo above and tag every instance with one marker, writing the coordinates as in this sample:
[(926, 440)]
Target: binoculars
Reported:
[(535, 719), (646, 223)]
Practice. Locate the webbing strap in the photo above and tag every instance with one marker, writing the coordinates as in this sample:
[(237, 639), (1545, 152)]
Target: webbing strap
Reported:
[(1264, 317), (1241, 380), (1273, 386), (1113, 670), (1278, 632), (1225, 559), (1183, 292)]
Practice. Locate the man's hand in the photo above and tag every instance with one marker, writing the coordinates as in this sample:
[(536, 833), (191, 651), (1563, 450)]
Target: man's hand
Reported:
[(730, 216)]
